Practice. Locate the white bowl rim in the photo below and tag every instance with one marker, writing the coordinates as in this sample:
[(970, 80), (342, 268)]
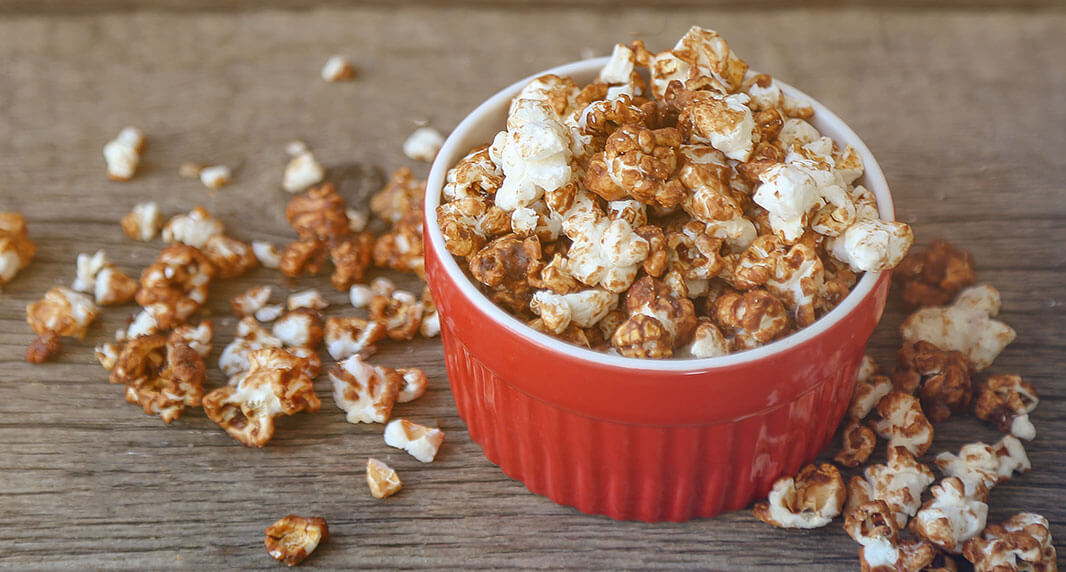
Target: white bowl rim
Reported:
[(873, 177)]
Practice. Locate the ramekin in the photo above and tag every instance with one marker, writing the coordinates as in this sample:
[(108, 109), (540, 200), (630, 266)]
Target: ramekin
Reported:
[(649, 440)]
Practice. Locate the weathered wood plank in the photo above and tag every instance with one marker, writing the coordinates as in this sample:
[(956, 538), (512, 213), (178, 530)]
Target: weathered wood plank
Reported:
[(964, 111)]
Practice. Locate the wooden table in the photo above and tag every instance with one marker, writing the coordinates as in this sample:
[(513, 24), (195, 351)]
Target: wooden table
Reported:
[(965, 109)]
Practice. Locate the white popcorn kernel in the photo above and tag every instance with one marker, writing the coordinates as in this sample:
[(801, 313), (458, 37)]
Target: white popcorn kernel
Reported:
[(143, 222), (193, 229), (414, 386), (215, 176), (123, 154), (619, 68), (420, 441), (423, 144), (302, 172), (797, 133), (950, 518), (534, 154), (349, 336), (899, 483), (965, 326), (365, 392), (1023, 428), (294, 329), (583, 308), (360, 295), (787, 193), (269, 313), (143, 324), (357, 219), (338, 68), (872, 245), (307, 299), (266, 254), (727, 126), (708, 341), (87, 269), (250, 337), (251, 300)]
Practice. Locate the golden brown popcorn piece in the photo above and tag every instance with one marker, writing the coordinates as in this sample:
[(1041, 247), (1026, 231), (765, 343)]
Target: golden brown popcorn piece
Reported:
[(63, 312), (401, 248), (43, 348), (694, 253), (16, 248), (303, 257), (382, 479), (640, 163), (658, 256), (365, 392), (299, 328), (351, 257), (196, 337), (673, 310), (871, 525), (642, 336), (1003, 400), (899, 483), (555, 276), (508, 262), (143, 222), (402, 196), (904, 423), (934, 276), (603, 117), (175, 285), (400, 313), (475, 175), (942, 378), (249, 301), (867, 394), (230, 257), (318, 214), (294, 538), (276, 383), (965, 326), (468, 223), (751, 319), (858, 443), (348, 336), (950, 518), (1022, 542), (810, 500), (163, 378)]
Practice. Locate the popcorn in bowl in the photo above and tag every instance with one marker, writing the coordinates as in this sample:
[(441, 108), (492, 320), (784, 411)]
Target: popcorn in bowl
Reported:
[(713, 177)]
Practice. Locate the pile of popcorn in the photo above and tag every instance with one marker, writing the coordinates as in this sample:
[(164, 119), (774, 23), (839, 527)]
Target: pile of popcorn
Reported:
[(947, 341), (694, 215)]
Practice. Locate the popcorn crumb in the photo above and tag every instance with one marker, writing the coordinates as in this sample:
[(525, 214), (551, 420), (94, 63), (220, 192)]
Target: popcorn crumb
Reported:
[(269, 312), (296, 147), (215, 176), (193, 229), (63, 312), (307, 299), (302, 172), (338, 68), (294, 538), (420, 441), (357, 219), (382, 479), (423, 144), (266, 253), (143, 222), (123, 154), (414, 384), (249, 301)]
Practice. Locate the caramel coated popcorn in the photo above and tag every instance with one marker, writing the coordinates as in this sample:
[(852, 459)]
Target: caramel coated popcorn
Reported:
[(16, 248), (706, 180), (810, 500), (294, 538)]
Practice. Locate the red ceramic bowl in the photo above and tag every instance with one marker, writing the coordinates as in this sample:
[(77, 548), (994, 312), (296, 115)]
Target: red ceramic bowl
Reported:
[(632, 439)]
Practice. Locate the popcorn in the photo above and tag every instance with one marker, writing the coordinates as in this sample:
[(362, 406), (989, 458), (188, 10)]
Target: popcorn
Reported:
[(899, 484), (108, 285), (193, 229), (583, 308), (474, 176), (965, 326), (360, 295), (276, 383), (420, 441), (299, 328), (980, 467), (230, 257), (707, 341), (1007, 401), (400, 313), (318, 214), (1022, 542), (62, 312), (349, 336), (467, 224), (365, 392), (269, 313), (357, 219), (197, 337), (620, 67), (533, 153), (903, 423), (382, 479), (640, 163), (163, 377), (872, 526), (215, 176), (870, 387), (44, 347), (934, 276), (248, 302), (294, 538), (303, 257), (699, 54), (605, 253), (942, 378), (810, 500), (506, 264), (250, 337), (143, 324), (123, 153), (16, 248), (659, 320), (872, 245), (725, 123), (414, 384), (859, 441), (266, 254), (338, 68), (423, 144), (751, 319), (401, 196), (430, 326), (311, 299), (301, 172), (950, 518), (351, 257), (787, 193), (175, 285)]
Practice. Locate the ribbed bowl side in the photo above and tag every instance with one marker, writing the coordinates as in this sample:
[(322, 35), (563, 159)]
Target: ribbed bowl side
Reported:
[(640, 472)]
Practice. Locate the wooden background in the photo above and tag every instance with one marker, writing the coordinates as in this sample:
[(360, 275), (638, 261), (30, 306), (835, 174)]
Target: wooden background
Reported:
[(965, 109)]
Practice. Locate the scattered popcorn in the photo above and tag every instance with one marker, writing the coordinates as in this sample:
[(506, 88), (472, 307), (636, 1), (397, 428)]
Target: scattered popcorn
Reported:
[(269, 313), (382, 479), (942, 378), (123, 153), (934, 276), (400, 313), (107, 355), (965, 326), (62, 312), (294, 538), (197, 337), (193, 229), (868, 393), (215, 176), (899, 484), (950, 518), (16, 248), (859, 441), (360, 295), (1022, 542), (143, 222), (365, 392), (276, 383), (420, 441), (142, 324), (319, 214), (43, 348), (423, 144), (109, 285), (903, 423), (250, 337), (350, 336), (414, 384), (1007, 401), (351, 258), (338, 68), (267, 255), (163, 377), (980, 467), (299, 328), (251, 300), (810, 500), (303, 257), (175, 285), (307, 299), (302, 172), (430, 326), (871, 525)]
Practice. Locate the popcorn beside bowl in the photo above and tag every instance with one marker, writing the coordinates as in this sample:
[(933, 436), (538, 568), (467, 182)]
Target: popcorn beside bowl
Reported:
[(651, 440)]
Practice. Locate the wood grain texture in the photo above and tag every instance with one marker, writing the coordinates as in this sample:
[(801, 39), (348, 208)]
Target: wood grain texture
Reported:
[(964, 111)]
